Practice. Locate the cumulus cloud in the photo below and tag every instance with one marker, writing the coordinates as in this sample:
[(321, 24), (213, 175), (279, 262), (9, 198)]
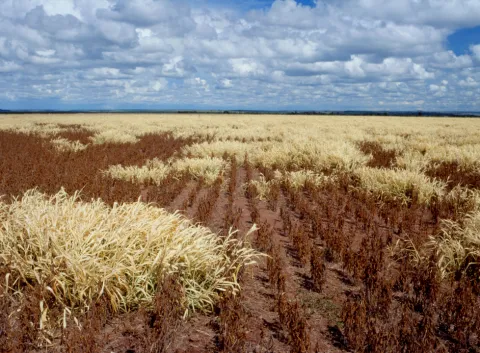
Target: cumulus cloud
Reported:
[(160, 84), (476, 51), (246, 67), (357, 67), (438, 13), (145, 13), (225, 83), (333, 54), (8, 66), (437, 88), (468, 82), (198, 83), (448, 60)]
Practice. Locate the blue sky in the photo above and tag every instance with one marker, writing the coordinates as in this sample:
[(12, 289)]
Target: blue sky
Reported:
[(246, 5), (461, 40), (254, 54)]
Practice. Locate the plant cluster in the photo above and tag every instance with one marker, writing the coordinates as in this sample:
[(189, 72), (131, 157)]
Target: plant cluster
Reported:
[(81, 252)]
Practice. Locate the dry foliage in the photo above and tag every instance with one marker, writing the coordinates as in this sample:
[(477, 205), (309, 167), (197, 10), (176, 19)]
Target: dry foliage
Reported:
[(233, 324), (166, 315), (82, 251), (317, 269), (393, 205), (294, 323)]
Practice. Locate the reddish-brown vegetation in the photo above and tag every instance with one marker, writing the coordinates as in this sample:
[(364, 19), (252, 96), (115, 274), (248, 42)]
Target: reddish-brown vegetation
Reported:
[(232, 324), (293, 321), (75, 133), (29, 161), (207, 203), (454, 174), (317, 269), (381, 158), (329, 248)]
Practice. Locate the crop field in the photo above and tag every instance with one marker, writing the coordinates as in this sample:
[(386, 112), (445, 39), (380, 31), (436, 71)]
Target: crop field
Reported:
[(239, 233)]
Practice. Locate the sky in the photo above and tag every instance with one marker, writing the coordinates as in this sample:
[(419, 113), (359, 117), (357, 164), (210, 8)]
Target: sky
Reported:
[(232, 54)]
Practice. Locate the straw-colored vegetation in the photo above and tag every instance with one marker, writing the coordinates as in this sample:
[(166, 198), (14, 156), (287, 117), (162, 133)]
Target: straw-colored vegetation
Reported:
[(220, 148), (295, 180), (436, 139), (466, 155), (113, 136), (263, 186), (458, 247), (299, 149), (332, 193), (315, 144), (80, 251), (65, 145), (299, 179), (399, 185), (208, 169), (155, 171)]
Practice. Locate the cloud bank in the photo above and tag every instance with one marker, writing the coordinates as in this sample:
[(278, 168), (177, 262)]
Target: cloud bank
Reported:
[(342, 54)]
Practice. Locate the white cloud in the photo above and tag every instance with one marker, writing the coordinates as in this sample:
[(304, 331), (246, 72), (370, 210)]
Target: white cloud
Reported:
[(118, 33), (198, 82), (439, 13), (437, 88), (8, 66), (160, 84), (476, 50), (468, 82), (176, 67), (105, 72), (358, 67), (46, 53), (288, 13), (246, 67), (225, 83), (144, 13), (448, 59), (349, 52)]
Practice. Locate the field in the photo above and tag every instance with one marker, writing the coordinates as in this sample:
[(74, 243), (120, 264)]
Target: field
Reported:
[(238, 233)]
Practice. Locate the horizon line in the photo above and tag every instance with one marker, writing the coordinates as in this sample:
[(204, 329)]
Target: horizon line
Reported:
[(250, 111)]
